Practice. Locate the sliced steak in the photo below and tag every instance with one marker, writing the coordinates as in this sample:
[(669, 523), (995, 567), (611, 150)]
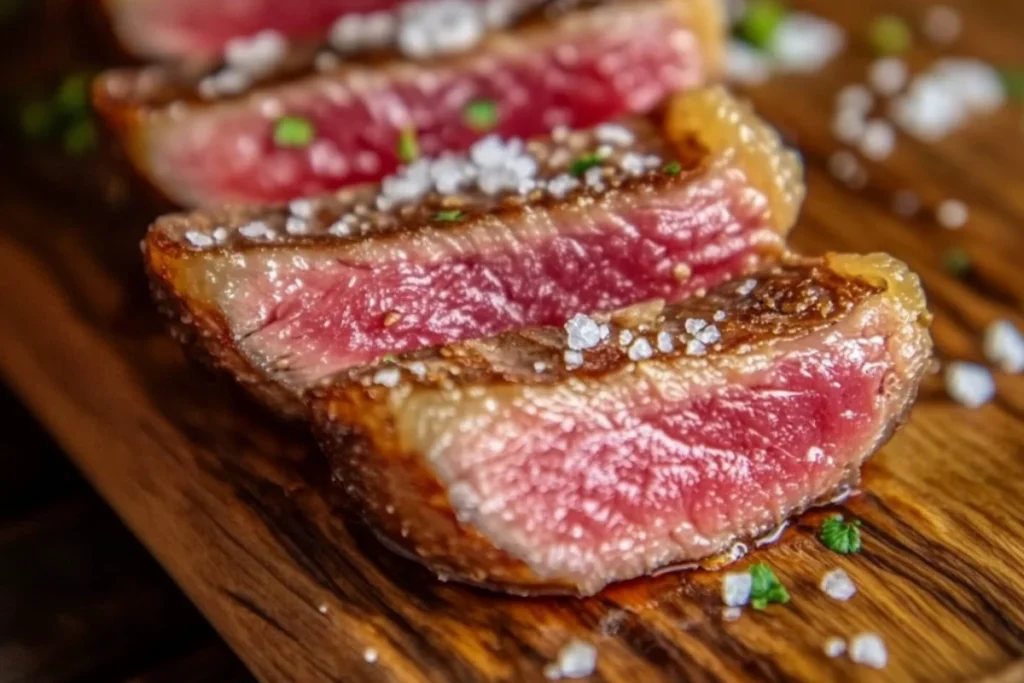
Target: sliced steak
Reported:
[(514, 235), (190, 29), (529, 463), (295, 130)]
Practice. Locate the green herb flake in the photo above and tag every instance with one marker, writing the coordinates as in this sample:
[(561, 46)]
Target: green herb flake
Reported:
[(1013, 82), (80, 138), (448, 216), (957, 262), (37, 120), (840, 536), (760, 21), (765, 587), (73, 94), (889, 35), (294, 132), (672, 168), (584, 163), (390, 358), (481, 115), (408, 145)]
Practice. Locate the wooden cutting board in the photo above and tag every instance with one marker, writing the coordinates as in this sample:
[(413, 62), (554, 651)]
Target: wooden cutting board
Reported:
[(239, 510)]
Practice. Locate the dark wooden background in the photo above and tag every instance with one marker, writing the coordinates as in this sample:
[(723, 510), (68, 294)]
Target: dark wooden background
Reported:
[(238, 511)]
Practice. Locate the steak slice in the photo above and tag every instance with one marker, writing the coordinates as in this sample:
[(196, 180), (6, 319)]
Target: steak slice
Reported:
[(520, 463), (357, 118), (190, 29), (458, 248)]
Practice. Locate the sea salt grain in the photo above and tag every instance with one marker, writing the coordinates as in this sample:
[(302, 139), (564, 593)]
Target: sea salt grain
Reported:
[(614, 134), (582, 332), (747, 287), (709, 335), (719, 316), (736, 588), (540, 366), (804, 43), (625, 337), (198, 239), (1004, 346), (577, 659), (868, 649), (573, 359), (694, 325), (745, 65), (952, 214), (888, 76), (695, 348), (387, 377), (369, 655), (665, 344), (878, 140), (640, 350), (256, 54), (848, 125), (837, 585), (969, 384), (220, 235), (732, 613), (256, 230), (834, 647), (856, 98)]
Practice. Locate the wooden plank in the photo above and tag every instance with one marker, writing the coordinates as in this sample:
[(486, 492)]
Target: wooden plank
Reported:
[(240, 512)]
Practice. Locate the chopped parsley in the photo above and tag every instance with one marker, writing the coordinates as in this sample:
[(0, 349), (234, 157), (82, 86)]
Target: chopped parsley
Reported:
[(389, 358), (765, 587), (760, 21), (481, 115), (294, 131), (64, 115), (80, 138), (73, 94), (840, 536), (584, 163), (889, 35), (957, 262), (448, 216), (1013, 82), (672, 168), (408, 145)]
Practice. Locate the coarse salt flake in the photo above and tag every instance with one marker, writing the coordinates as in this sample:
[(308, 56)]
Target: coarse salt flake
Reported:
[(732, 613), (640, 350), (719, 316), (582, 332), (614, 134), (838, 585), (856, 97), (540, 366), (577, 659), (665, 343), (952, 214), (419, 368), (834, 647), (868, 649), (387, 377), (573, 359), (695, 348), (296, 226), (709, 335), (878, 140), (747, 287), (1004, 346), (625, 337), (256, 230), (804, 43), (969, 384), (220, 235), (746, 65), (888, 75), (694, 325), (736, 588), (198, 239), (370, 655), (561, 185), (256, 54)]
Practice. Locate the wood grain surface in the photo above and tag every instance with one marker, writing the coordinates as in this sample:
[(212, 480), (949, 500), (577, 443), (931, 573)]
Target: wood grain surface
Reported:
[(239, 510)]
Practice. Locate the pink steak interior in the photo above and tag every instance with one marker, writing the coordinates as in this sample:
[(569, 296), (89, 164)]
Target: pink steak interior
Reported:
[(201, 28), (227, 153), (622, 482), (313, 313)]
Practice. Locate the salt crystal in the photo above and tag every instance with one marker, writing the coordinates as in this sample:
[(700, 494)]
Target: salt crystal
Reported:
[(665, 344), (975, 83), (855, 97), (709, 335), (303, 208), (573, 359), (614, 134), (577, 659), (732, 613), (848, 125), (952, 214), (582, 332), (719, 316), (969, 384), (838, 585), (834, 647), (736, 588), (878, 140), (419, 369), (387, 377), (561, 185), (1004, 346), (255, 230), (888, 75), (198, 239), (868, 649), (429, 28), (632, 163), (540, 366), (694, 325), (296, 226), (625, 337), (929, 109), (747, 287), (340, 228), (256, 54), (220, 235), (594, 178), (804, 43), (370, 655), (746, 65), (695, 348), (640, 350)]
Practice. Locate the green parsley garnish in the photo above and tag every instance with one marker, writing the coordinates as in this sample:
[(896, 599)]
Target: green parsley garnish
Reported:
[(408, 145), (889, 35), (481, 115), (80, 138), (37, 120), (765, 587), (672, 168), (389, 358), (760, 21), (840, 536), (584, 163), (448, 216), (294, 131), (73, 94), (957, 262), (1013, 82)]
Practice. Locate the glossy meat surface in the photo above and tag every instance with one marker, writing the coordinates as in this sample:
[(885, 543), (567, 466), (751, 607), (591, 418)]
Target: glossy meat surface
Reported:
[(583, 475)]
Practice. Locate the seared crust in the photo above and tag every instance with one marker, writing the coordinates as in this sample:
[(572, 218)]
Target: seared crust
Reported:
[(708, 145), (398, 495)]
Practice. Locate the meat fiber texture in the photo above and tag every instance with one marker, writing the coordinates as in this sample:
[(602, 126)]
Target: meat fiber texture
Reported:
[(207, 137), (193, 29), (673, 204), (676, 433)]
